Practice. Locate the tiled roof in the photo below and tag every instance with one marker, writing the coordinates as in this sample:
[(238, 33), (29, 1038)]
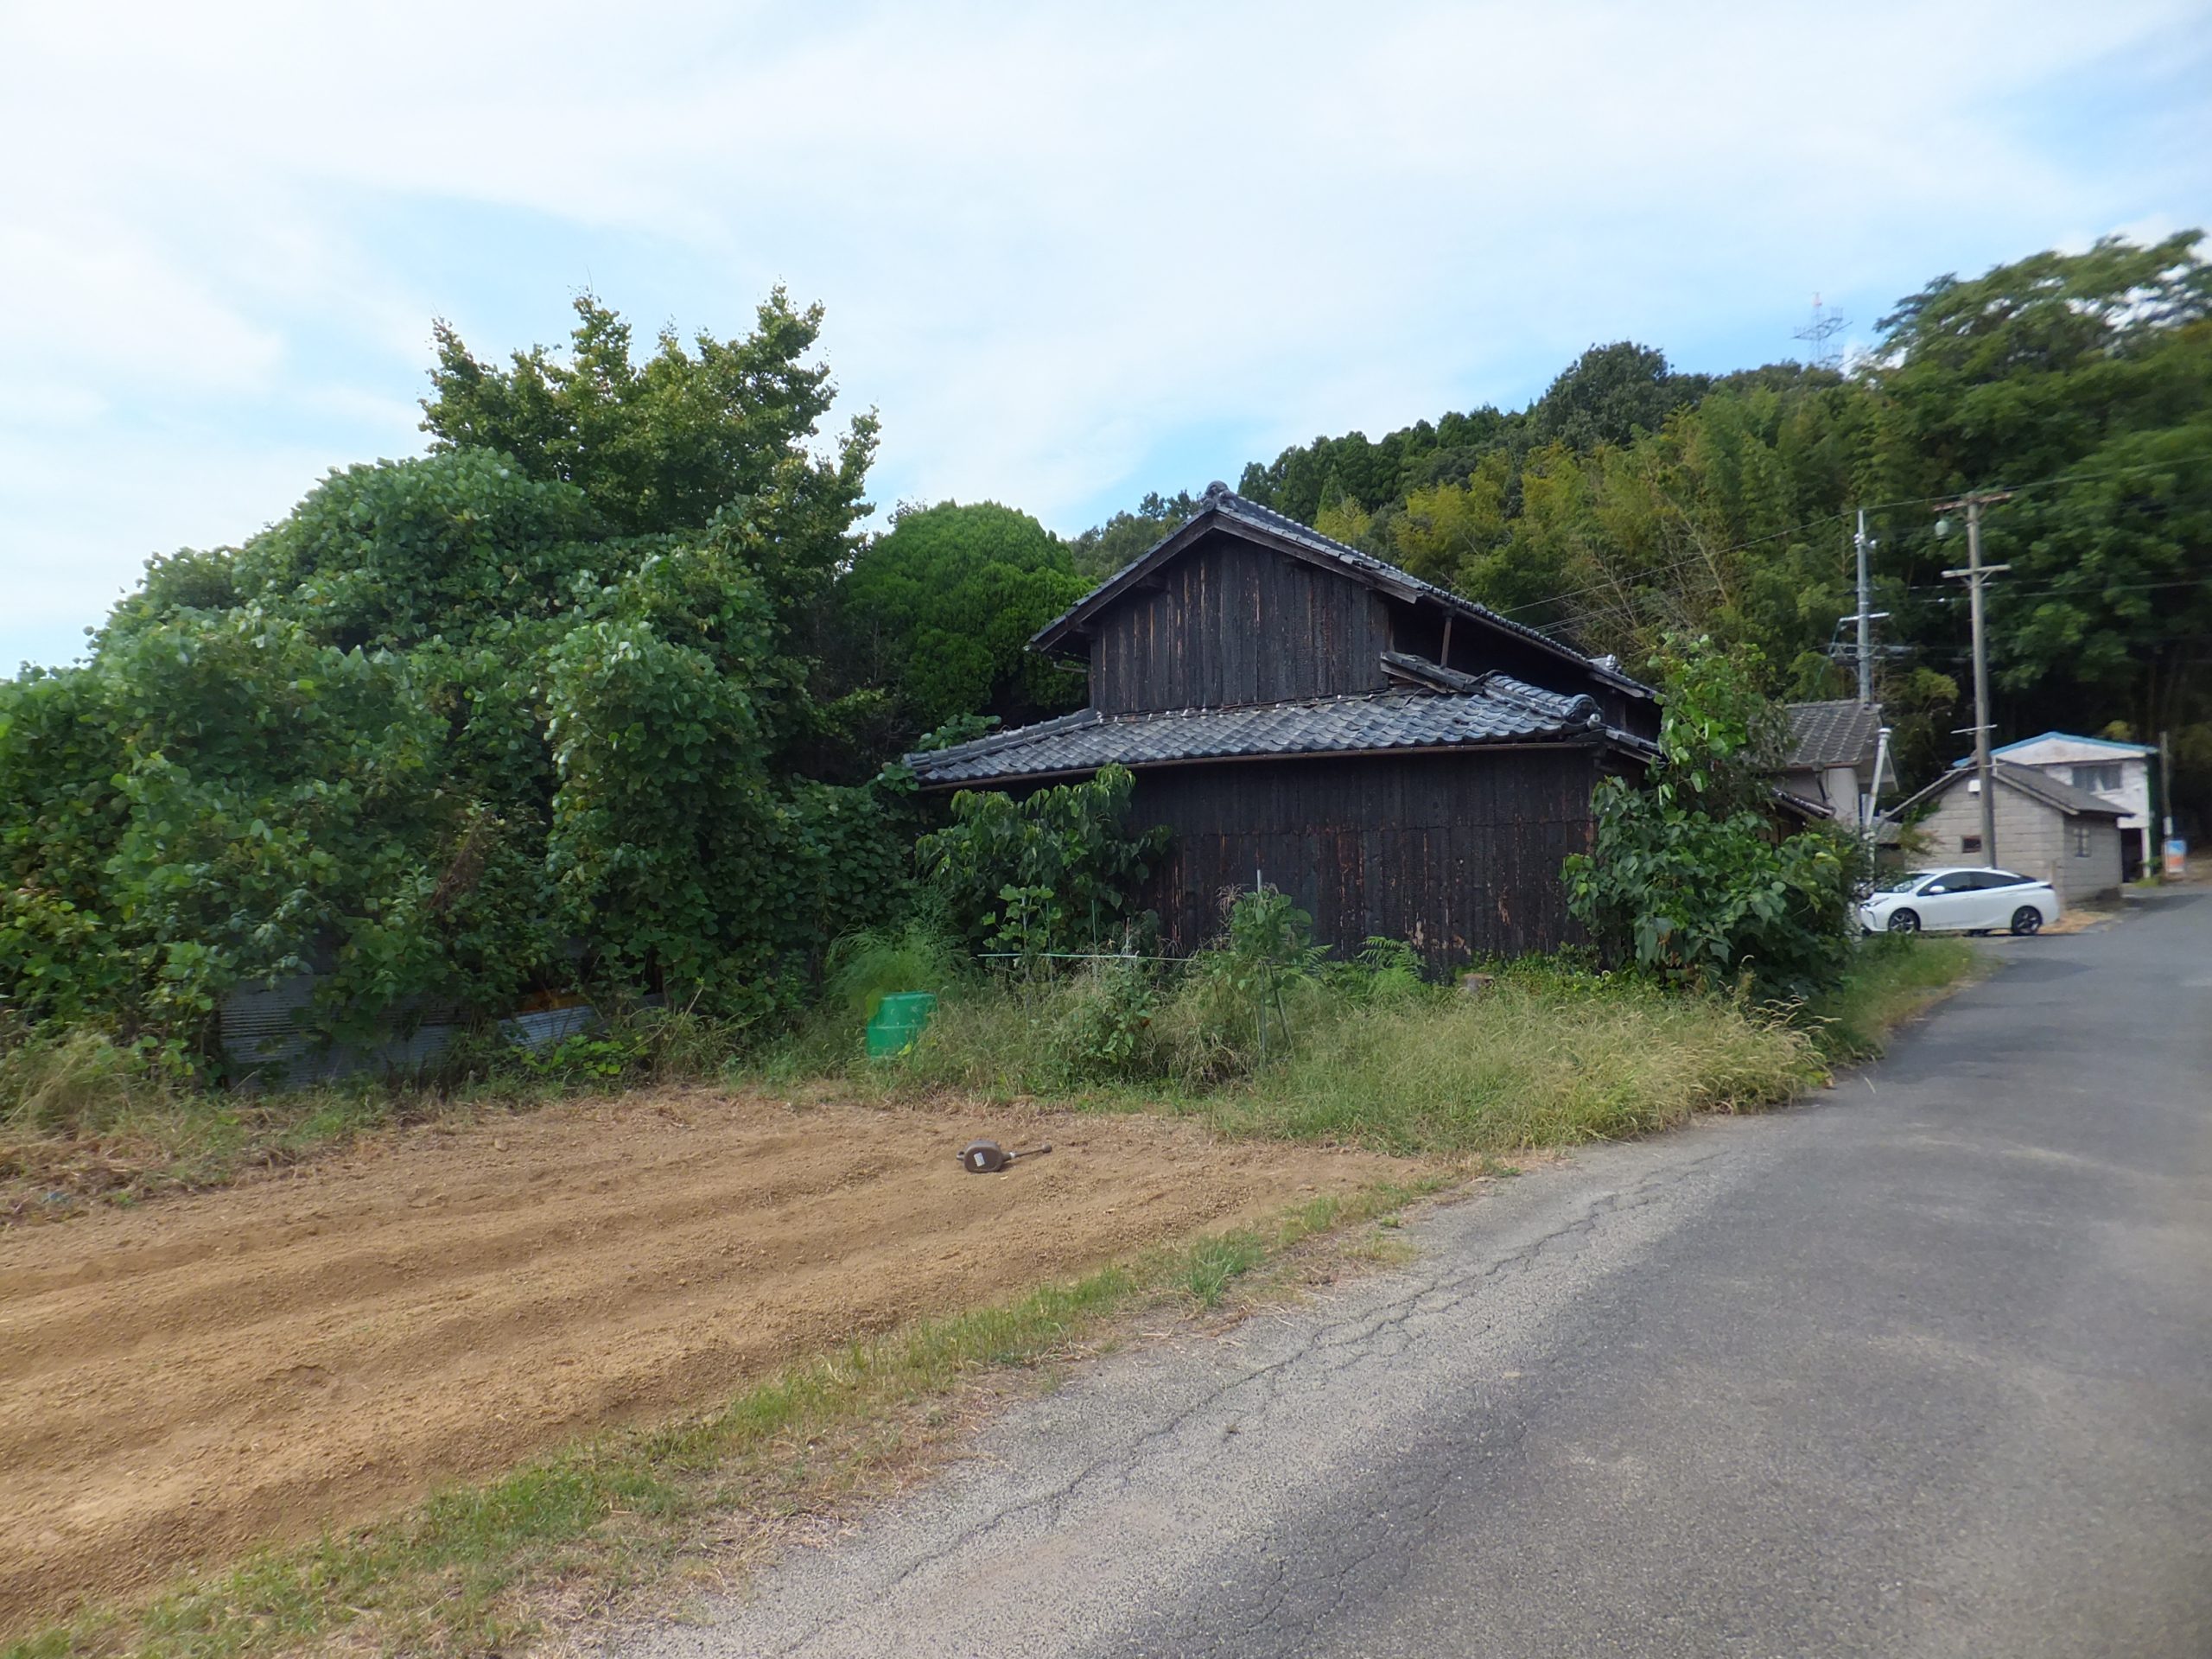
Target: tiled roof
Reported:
[(2030, 781), (1503, 710), (1222, 502), (1840, 733)]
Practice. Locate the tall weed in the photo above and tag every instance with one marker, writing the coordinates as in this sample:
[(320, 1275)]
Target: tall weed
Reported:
[(864, 967), (1520, 1066)]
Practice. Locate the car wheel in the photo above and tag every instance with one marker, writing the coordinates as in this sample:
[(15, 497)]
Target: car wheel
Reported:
[(2027, 920), (1904, 921)]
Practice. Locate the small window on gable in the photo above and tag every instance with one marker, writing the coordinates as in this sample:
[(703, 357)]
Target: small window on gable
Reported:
[(1969, 843)]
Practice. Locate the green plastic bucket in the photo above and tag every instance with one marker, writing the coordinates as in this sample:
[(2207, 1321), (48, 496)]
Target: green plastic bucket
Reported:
[(897, 1021)]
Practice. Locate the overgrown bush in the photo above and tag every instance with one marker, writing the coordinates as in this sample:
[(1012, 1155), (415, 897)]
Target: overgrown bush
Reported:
[(1688, 877), (1107, 1029), (1055, 872), (520, 713)]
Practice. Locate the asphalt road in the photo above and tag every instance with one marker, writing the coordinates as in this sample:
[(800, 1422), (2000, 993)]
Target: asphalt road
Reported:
[(1923, 1367)]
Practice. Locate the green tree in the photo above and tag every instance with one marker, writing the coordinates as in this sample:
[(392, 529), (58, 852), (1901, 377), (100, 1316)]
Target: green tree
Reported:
[(2086, 379), (1686, 876), (941, 610), (1127, 537), (1610, 393), (468, 724), (673, 442)]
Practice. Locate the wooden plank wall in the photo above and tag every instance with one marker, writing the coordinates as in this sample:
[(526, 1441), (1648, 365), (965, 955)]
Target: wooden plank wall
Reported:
[(1459, 854), (1234, 623)]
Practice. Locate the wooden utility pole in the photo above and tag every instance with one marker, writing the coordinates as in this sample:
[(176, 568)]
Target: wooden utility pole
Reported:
[(1975, 574), (1866, 622)]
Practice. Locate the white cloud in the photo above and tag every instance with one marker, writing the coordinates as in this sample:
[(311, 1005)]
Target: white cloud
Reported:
[(1054, 244)]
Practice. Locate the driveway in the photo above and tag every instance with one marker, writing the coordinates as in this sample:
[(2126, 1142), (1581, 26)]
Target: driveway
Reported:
[(1922, 1367)]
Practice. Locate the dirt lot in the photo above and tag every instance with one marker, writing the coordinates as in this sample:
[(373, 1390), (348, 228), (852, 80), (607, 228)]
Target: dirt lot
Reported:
[(181, 1381)]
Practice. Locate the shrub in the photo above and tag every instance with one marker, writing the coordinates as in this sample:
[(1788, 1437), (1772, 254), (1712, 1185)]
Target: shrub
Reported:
[(1057, 871), (1106, 1031), (1687, 877)]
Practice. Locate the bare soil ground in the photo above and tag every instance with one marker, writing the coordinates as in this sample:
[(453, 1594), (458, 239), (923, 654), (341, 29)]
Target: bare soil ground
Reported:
[(183, 1380)]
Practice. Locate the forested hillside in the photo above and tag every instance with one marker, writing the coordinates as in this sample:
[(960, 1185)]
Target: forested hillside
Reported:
[(1630, 500)]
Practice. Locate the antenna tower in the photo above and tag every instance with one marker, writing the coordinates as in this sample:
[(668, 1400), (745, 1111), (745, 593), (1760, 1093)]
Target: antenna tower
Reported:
[(1825, 326)]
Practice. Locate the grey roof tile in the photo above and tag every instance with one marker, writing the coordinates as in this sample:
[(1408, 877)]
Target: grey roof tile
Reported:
[(1380, 720), (1844, 733)]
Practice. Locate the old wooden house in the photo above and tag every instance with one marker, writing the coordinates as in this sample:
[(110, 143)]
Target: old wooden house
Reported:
[(1398, 760)]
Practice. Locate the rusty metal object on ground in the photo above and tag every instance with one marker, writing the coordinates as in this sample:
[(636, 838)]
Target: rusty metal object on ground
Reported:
[(987, 1157)]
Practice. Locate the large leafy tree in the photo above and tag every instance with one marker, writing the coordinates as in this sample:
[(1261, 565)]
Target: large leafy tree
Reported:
[(1127, 537), (2086, 380), (1609, 394), (942, 608), (675, 441), (459, 725)]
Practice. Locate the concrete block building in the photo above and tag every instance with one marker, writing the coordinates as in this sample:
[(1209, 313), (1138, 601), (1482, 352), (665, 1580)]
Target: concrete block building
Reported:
[(2046, 828), (2116, 774)]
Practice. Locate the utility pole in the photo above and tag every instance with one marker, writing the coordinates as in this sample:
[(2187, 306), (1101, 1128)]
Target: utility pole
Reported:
[(1975, 574), (2165, 801), (1866, 622)]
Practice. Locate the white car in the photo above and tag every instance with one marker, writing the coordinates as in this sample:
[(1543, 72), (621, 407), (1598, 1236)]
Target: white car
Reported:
[(1970, 900)]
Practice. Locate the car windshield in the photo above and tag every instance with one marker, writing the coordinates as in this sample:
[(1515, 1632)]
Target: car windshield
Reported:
[(1906, 883)]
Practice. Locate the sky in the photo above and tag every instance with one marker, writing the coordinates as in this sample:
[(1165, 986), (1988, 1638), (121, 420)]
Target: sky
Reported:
[(1070, 254)]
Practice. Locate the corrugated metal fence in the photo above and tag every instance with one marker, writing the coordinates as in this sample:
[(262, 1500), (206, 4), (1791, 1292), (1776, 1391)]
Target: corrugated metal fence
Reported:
[(264, 1040)]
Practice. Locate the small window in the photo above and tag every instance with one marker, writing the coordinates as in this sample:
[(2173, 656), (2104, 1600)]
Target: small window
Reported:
[(2103, 776), (2081, 834), (1969, 843)]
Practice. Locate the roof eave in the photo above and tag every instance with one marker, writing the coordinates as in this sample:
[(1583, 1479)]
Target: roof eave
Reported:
[(1566, 740)]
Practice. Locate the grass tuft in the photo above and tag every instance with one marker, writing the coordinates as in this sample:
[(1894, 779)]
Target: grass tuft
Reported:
[(1893, 978)]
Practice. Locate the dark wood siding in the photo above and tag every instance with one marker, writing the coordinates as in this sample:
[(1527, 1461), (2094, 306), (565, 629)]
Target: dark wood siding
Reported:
[(1458, 853), (1231, 623)]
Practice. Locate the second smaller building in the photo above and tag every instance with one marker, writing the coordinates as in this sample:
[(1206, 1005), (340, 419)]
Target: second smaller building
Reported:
[(2046, 828)]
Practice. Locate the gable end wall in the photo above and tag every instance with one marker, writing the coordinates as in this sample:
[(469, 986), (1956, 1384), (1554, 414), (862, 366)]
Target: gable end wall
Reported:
[(1232, 623), (2032, 838)]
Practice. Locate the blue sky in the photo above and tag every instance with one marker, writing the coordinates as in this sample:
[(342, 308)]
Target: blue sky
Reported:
[(1070, 254)]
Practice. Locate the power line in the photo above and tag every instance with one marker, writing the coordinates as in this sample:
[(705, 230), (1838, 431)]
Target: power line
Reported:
[(2079, 593)]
